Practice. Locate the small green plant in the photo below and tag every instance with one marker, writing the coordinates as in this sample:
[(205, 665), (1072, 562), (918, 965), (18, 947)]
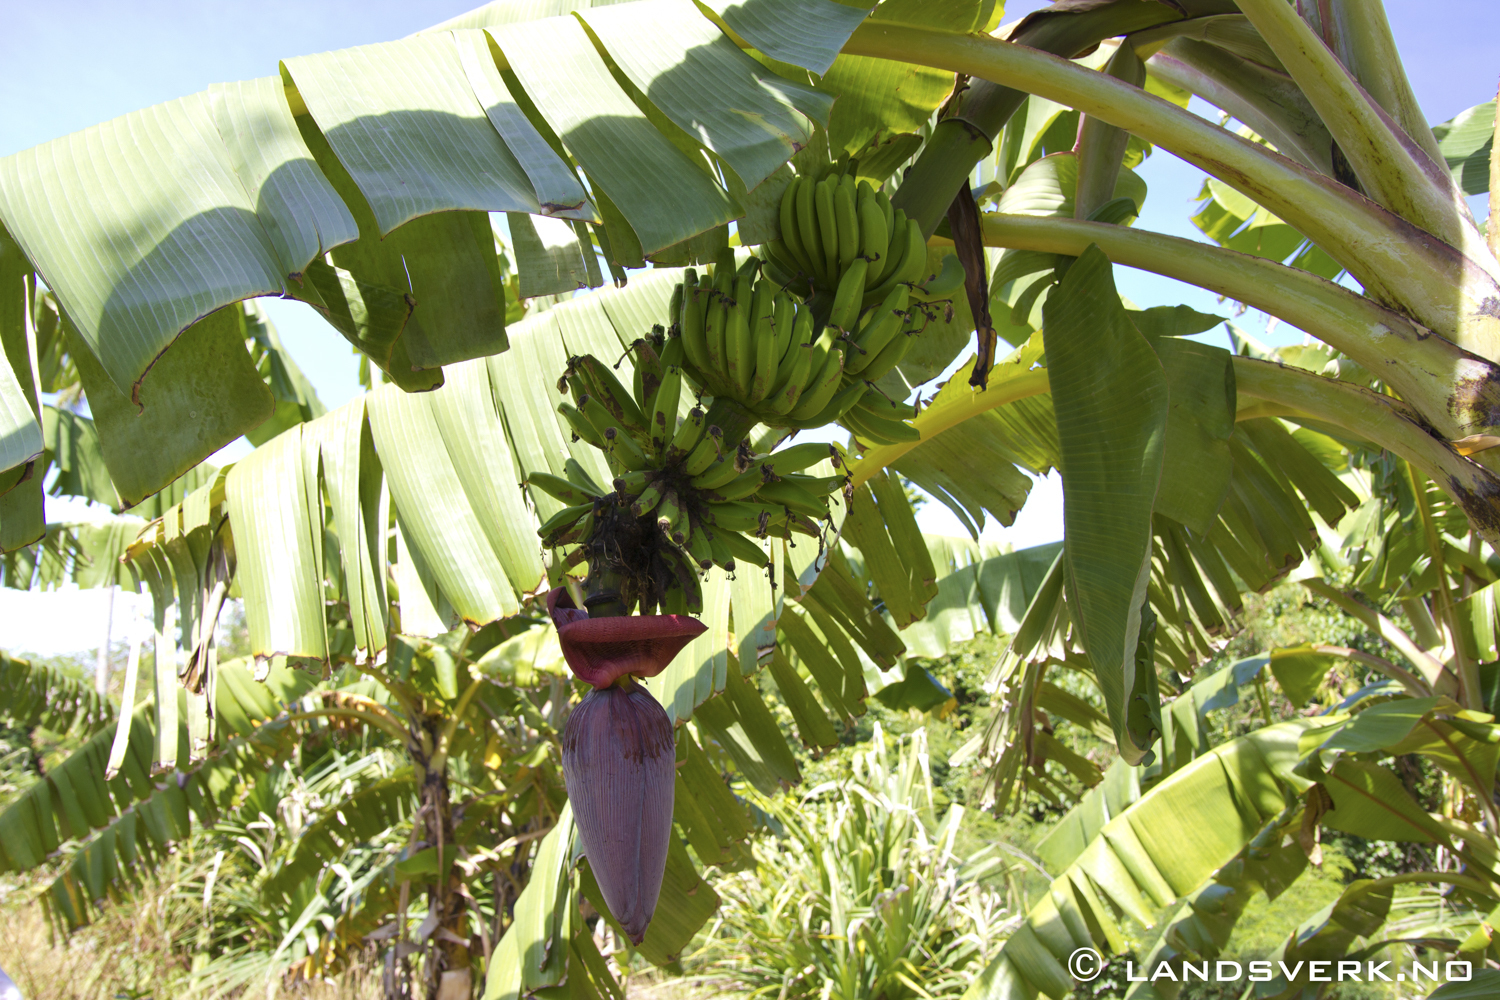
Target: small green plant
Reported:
[(857, 891)]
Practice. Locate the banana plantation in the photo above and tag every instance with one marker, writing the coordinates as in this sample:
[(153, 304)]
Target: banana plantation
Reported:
[(595, 650)]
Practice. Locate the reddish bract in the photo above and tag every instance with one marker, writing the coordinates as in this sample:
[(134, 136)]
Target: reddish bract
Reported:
[(602, 650), (617, 758)]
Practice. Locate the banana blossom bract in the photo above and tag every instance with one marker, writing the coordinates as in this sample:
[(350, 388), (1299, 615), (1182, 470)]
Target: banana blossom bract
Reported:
[(602, 650), (618, 751)]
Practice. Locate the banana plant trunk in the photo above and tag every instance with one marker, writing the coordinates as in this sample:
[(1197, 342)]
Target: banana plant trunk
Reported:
[(447, 972)]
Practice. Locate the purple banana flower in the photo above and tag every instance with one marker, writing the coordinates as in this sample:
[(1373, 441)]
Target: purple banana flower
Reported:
[(618, 751)]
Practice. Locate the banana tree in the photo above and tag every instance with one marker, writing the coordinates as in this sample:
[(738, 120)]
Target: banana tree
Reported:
[(355, 180)]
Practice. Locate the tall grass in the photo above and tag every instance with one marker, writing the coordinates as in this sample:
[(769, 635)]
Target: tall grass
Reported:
[(859, 893), (130, 954)]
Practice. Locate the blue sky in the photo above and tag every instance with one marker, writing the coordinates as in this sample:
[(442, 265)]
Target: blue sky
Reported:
[(73, 63)]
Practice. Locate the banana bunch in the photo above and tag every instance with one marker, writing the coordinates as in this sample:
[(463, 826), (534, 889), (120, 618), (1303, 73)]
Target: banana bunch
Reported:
[(745, 338), (683, 498), (832, 225), (710, 504)]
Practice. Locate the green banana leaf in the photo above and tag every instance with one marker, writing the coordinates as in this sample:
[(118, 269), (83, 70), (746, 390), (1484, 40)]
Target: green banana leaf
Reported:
[(525, 957), (975, 466), (1144, 860), (20, 429), (367, 812), (1484, 984), (1200, 926), (1465, 141), (1111, 399), (39, 695), (132, 843), (990, 595), (1124, 785), (1197, 464), (73, 449), (357, 181), (1232, 220), (76, 798)]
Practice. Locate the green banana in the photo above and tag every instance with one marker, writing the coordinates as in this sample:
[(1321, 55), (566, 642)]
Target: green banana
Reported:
[(581, 427), (575, 475), (874, 237), (694, 328), (721, 554), (621, 447), (791, 237), (803, 328), (795, 498), (709, 448), (762, 318), (687, 436), (742, 485), (800, 456), (949, 280), (648, 501), (720, 472), (725, 271), (775, 271), (631, 483), (845, 221), (692, 590), (670, 517), (578, 531), (885, 323), (593, 411), (714, 327), (738, 515), (564, 519), (743, 549), (896, 245), (889, 212), (784, 325), (780, 266), (614, 397), (674, 307), (647, 375), (828, 230), (915, 258), (835, 407), (739, 349), (909, 266), (698, 545), (821, 345), (807, 229), (788, 389), (559, 488), (872, 428), (821, 389), (671, 353), (876, 402), (817, 485), (664, 408), (850, 296), (891, 356), (766, 361)]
